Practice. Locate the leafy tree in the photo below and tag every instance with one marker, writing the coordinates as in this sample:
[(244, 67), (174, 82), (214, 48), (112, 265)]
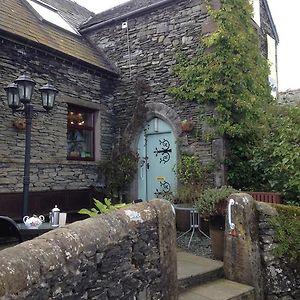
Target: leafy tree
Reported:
[(277, 159)]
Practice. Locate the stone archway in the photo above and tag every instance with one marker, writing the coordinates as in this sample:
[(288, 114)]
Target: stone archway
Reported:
[(170, 122)]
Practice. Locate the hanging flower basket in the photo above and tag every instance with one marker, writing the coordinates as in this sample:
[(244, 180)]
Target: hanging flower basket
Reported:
[(20, 124), (187, 126)]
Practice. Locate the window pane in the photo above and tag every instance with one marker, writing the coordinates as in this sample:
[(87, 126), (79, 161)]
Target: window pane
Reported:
[(80, 118), (80, 143)]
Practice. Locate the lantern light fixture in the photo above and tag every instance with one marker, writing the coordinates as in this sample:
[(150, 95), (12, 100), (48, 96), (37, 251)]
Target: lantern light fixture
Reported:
[(48, 93), (12, 94), (25, 87), (19, 96)]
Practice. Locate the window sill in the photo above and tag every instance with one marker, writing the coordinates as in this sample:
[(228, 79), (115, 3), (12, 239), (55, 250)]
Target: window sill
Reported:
[(81, 158)]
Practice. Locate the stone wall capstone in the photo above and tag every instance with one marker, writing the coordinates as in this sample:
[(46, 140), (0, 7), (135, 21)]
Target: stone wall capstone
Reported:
[(126, 254)]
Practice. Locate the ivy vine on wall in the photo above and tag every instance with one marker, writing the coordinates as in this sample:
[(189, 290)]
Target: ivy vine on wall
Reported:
[(230, 74)]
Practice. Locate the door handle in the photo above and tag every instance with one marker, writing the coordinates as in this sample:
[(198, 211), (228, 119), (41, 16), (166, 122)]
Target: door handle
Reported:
[(142, 164)]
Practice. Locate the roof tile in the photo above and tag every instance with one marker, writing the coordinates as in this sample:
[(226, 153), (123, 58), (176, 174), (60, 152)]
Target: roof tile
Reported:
[(17, 19)]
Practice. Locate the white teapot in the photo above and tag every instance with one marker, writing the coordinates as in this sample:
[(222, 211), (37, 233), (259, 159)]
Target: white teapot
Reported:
[(33, 222)]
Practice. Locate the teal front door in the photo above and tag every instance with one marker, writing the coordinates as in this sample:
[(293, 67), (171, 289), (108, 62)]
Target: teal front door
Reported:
[(157, 161)]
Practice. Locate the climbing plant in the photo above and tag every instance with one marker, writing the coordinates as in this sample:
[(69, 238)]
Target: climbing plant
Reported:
[(193, 177), (119, 172), (230, 74)]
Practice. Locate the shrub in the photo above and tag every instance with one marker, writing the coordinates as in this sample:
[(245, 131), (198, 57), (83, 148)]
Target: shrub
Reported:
[(207, 203), (193, 177), (287, 228)]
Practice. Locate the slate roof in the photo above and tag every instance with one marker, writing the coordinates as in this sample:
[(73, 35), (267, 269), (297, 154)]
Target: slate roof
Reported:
[(128, 8), (121, 9), (71, 11), (18, 21)]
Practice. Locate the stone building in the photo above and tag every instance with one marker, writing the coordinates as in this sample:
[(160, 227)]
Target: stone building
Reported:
[(289, 97), (142, 38), (60, 164), (113, 71)]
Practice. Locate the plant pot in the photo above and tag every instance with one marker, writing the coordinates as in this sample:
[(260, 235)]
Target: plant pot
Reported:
[(217, 232), (182, 213), (217, 243)]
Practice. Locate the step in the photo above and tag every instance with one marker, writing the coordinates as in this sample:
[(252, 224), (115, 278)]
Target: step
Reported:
[(220, 289), (194, 270)]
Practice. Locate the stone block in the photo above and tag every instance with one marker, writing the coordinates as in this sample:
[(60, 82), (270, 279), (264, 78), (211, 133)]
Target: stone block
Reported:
[(242, 261)]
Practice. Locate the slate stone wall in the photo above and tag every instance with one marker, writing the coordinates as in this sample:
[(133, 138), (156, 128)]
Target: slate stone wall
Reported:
[(127, 254), (281, 279), (147, 51), (77, 84), (265, 28), (154, 39)]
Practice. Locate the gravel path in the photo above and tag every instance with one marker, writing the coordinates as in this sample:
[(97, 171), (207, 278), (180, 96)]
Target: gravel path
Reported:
[(200, 244)]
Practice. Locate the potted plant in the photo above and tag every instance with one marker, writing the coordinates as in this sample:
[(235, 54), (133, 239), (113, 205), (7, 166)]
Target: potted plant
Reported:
[(193, 177), (211, 204)]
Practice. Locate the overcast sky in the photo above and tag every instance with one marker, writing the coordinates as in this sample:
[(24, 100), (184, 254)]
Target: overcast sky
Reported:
[(287, 20)]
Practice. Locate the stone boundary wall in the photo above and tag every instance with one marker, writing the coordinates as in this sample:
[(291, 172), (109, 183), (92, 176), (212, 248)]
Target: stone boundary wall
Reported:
[(248, 256), (127, 254), (281, 279)]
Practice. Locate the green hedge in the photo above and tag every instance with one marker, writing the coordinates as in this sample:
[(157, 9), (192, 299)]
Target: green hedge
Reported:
[(287, 232)]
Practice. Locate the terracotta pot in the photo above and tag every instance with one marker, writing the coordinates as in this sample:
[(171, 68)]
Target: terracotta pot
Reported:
[(216, 233), (217, 243), (182, 220)]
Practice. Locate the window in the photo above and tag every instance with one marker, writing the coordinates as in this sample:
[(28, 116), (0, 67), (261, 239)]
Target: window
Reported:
[(273, 67), (50, 14), (80, 134), (256, 11)]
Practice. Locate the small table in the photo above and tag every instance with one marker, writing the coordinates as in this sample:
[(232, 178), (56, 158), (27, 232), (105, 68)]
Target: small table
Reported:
[(195, 222), (28, 233)]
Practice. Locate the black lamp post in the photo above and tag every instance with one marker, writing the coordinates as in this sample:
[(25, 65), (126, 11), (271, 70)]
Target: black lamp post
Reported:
[(19, 96)]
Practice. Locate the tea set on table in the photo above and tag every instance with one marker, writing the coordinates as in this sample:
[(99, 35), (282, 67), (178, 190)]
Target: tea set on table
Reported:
[(35, 221)]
